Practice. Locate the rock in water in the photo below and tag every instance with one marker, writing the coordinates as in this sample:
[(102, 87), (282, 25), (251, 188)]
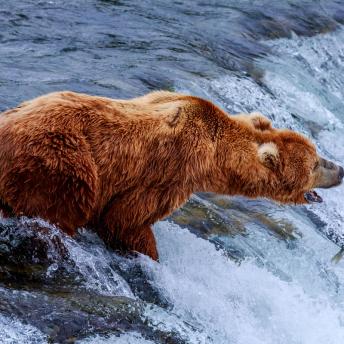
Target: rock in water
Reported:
[(32, 251)]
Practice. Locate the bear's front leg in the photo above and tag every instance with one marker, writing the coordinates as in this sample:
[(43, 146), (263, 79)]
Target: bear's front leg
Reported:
[(139, 239)]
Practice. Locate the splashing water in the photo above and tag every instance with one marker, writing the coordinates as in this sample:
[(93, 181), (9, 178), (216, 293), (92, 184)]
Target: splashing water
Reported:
[(243, 303), (13, 331), (95, 266)]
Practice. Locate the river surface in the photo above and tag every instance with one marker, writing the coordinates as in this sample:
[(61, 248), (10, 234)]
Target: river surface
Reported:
[(231, 270)]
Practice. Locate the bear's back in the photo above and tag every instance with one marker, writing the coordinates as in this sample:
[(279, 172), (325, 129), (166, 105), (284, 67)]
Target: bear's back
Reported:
[(67, 108), (53, 106)]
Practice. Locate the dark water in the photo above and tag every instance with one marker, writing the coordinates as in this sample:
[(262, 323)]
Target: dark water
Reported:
[(231, 270), (126, 48)]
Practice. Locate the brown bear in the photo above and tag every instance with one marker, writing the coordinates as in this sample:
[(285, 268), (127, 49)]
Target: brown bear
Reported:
[(118, 166)]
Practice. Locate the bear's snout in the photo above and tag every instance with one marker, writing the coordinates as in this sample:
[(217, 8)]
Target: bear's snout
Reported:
[(328, 174)]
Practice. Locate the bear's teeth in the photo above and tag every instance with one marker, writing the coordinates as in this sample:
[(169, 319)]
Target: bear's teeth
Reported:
[(312, 197)]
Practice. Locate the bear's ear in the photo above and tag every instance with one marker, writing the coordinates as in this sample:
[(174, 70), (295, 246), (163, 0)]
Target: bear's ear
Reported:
[(173, 118), (268, 154), (172, 112), (255, 120), (260, 122)]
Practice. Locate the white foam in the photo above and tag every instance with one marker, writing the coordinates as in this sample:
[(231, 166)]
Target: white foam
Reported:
[(95, 265), (242, 303), (13, 331)]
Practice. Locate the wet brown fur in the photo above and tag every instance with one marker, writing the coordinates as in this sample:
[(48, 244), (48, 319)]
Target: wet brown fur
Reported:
[(121, 165)]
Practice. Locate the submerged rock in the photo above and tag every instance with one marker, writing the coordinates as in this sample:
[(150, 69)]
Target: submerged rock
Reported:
[(66, 317), (32, 251), (43, 284), (215, 215), (205, 221)]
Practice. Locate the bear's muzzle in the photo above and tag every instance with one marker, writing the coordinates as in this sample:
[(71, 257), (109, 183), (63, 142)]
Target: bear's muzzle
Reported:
[(326, 175)]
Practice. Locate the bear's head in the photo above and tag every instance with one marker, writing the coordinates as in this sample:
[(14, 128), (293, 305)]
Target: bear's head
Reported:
[(295, 168), (278, 164)]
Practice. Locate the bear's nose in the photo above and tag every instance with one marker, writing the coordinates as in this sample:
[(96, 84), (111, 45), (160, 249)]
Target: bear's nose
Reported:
[(340, 173)]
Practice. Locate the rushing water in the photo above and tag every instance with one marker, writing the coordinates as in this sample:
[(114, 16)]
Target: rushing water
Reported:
[(231, 270)]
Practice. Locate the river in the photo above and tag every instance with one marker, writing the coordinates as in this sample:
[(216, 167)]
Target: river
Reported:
[(231, 270)]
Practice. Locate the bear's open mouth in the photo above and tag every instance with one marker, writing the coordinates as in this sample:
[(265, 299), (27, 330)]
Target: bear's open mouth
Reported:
[(312, 197)]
